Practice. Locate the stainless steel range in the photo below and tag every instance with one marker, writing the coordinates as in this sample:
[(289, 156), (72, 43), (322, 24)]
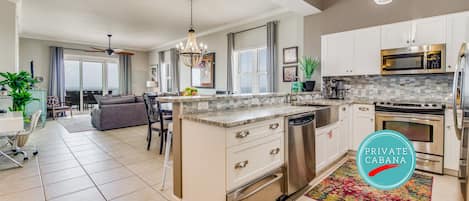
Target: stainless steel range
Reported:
[(423, 124)]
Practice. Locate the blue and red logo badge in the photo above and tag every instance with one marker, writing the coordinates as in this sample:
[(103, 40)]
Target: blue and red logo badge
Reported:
[(386, 159)]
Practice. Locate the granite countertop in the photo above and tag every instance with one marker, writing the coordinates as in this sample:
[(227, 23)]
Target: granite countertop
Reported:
[(181, 99), (363, 101), (232, 118)]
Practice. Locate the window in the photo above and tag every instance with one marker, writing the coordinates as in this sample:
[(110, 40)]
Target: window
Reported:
[(166, 78), (250, 67), (88, 76)]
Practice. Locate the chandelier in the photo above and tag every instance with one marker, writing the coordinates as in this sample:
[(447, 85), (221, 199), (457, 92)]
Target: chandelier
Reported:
[(191, 53)]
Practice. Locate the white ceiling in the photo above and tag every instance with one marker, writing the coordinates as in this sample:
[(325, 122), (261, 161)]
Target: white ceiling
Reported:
[(135, 24)]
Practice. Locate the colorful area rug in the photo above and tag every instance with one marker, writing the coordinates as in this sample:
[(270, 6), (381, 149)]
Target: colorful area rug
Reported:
[(345, 184)]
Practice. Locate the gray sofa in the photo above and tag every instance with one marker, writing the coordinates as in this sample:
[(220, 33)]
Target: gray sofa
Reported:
[(118, 112)]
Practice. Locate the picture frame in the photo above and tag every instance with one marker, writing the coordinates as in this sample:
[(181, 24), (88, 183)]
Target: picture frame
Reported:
[(290, 55), (203, 75), (290, 73)]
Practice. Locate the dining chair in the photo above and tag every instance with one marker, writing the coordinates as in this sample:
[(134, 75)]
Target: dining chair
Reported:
[(156, 121), (18, 140)]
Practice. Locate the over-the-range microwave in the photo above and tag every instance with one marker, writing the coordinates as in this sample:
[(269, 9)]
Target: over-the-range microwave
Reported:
[(414, 60)]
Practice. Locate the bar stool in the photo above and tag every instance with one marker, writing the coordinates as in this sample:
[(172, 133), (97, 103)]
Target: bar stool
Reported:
[(167, 163)]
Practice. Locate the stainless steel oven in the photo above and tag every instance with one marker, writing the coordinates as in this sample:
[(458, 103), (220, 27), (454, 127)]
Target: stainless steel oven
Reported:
[(423, 124), (414, 60)]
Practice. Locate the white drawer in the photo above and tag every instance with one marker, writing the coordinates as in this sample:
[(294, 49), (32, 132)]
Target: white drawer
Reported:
[(361, 108), (251, 160), (250, 132)]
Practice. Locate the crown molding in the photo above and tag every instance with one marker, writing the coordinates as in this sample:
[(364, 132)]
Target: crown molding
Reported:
[(275, 12)]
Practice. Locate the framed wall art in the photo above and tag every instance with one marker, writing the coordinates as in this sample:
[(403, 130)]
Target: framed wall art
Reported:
[(203, 75), (290, 73), (290, 55)]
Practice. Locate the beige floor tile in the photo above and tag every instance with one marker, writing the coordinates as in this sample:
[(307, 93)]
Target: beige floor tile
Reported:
[(55, 158), (121, 187), (91, 194), (68, 186), (93, 159), (146, 194), (111, 175), (12, 186), (62, 175), (101, 166), (62, 165), (35, 194)]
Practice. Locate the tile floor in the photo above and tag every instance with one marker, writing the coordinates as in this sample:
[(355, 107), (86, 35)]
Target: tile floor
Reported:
[(112, 165), (87, 166)]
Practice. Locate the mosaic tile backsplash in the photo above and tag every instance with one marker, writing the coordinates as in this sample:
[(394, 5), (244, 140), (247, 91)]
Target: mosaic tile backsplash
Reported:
[(219, 105), (423, 88)]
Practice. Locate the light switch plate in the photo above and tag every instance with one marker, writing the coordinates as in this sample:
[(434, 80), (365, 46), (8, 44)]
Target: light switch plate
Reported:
[(202, 105)]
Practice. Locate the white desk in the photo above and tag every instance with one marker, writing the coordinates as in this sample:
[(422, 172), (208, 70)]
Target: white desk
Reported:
[(11, 122)]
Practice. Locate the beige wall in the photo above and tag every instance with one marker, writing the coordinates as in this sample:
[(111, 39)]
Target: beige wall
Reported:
[(38, 51), (8, 37), (344, 15), (290, 33)]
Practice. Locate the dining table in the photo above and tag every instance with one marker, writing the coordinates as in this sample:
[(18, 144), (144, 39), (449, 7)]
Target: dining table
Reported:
[(11, 123)]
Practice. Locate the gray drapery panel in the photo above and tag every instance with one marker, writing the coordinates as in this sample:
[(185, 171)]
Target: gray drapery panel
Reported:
[(160, 67), (174, 56), (229, 75), (125, 74), (272, 61), (57, 73)]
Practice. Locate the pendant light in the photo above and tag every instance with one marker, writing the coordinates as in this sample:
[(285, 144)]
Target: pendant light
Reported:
[(191, 53)]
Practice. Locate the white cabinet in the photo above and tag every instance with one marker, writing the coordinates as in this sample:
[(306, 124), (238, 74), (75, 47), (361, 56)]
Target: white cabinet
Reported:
[(338, 54), (363, 123), (351, 53), (429, 31), (367, 51), (452, 144), (425, 31), (396, 35), (344, 129), (457, 33), (327, 146)]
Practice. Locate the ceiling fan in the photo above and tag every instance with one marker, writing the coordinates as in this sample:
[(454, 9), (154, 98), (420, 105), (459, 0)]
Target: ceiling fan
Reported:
[(109, 51)]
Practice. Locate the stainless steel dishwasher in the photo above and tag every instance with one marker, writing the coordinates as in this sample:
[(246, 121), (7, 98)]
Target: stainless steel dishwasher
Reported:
[(300, 147)]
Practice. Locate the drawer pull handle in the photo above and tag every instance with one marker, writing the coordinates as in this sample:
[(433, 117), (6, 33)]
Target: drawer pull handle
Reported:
[(275, 151), (241, 165), (242, 134), (424, 160), (274, 126), (363, 109)]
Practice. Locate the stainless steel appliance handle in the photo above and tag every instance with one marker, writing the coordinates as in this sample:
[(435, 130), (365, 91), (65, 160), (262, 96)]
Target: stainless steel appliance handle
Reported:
[(456, 82), (426, 160), (249, 194)]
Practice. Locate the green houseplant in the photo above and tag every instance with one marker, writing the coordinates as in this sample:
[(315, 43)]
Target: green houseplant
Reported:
[(19, 84), (308, 65)]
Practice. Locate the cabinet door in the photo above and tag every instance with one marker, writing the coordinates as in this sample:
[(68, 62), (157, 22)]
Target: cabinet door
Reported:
[(338, 54), (321, 150), (429, 31), (452, 144), (333, 140), (344, 129), (396, 35), (363, 123), (457, 33), (367, 51)]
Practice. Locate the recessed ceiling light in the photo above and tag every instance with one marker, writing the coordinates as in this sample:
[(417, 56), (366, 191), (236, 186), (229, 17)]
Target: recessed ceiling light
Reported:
[(383, 2)]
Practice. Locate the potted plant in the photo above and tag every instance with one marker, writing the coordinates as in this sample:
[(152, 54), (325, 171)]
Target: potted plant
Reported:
[(308, 65), (19, 84)]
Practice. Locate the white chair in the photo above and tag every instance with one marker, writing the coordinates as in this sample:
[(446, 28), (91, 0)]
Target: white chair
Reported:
[(167, 163), (19, 139)]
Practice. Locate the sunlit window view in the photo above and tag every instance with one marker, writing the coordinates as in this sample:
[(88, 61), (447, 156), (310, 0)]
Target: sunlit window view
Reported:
[(251, 71), (84, 79)]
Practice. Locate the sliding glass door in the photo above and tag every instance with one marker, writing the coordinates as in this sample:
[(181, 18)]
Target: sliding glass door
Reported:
[(85, 78)]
